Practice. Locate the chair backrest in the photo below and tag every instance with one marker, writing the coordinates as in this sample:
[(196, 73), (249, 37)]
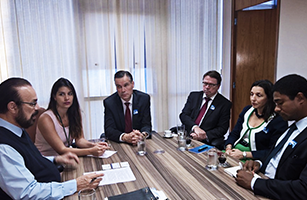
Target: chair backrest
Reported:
[(32, 129)]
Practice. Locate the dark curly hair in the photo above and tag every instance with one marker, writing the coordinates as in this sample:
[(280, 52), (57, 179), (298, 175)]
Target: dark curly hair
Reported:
[(290, 85)]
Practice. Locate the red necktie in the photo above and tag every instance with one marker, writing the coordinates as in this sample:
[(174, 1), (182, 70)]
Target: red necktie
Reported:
[(128, 123), (202, 111)]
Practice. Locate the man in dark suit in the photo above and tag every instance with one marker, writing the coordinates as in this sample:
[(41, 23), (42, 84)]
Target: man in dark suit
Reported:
[(210, 125), (118, 124), (286, 166)]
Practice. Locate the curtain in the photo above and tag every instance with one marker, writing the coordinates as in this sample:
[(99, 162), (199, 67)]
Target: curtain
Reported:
[(167, 45), (194, 47)]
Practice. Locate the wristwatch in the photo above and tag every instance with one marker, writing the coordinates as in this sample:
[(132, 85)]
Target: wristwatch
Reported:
[(244, 154), (145, 134)]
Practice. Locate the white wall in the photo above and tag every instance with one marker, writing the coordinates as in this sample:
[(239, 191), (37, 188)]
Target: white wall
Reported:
[(292, 47)]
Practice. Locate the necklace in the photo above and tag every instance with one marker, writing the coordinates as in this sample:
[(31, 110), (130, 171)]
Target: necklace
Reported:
[(259, 116)]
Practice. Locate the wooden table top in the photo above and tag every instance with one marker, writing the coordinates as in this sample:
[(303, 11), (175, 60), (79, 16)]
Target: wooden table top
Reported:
[(180, 175)]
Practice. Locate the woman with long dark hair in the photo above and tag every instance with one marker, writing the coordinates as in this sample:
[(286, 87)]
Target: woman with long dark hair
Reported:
[(62, 123), (258, 126)]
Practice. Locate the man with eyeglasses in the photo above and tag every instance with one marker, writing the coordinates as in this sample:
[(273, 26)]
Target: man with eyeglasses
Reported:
[(25, 173), (206, 113)]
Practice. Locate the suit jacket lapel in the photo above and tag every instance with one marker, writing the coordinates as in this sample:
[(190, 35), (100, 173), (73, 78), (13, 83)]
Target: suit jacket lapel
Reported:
[(135, 103), (199, 104), (210, 111), (120, 111), (289, 150)]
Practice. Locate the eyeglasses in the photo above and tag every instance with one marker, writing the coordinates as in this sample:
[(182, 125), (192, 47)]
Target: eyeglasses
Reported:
[(209, 84), (33, 104)]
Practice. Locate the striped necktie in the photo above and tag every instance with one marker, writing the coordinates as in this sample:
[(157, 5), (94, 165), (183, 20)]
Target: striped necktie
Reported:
[(202, 111)]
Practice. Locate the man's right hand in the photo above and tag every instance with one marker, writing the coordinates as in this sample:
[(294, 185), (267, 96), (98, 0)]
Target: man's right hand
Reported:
[(132, 137), (198, 134), (67, 159), (86, 181), (251, 165)]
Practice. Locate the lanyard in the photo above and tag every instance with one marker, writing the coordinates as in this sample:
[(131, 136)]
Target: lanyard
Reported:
[(67, 137)]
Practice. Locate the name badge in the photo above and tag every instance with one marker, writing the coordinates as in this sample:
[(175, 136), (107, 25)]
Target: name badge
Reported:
[(135, 112), (292, 143)]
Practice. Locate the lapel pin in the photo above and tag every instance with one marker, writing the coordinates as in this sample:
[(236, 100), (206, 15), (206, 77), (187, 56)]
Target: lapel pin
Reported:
[(135, 111), (212, 107), (265, 129), (292, 143)]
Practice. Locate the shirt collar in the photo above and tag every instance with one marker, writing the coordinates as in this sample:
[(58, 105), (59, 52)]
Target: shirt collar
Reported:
[(301, 124), (130, 101), (212, 98), (11, 127)]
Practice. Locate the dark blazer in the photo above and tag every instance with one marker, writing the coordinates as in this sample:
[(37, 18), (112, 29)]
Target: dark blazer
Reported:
[(264, 140), (216, 120), (290, 180), (114, 119)]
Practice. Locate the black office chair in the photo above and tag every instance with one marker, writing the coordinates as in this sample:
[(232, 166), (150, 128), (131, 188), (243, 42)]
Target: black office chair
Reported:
[(103, 135), (173, 129)]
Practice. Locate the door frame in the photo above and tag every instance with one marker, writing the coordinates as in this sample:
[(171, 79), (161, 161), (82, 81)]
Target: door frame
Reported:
[(238, 5)]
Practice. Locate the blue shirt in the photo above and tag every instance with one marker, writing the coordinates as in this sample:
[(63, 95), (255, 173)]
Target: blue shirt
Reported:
[(19, 183)]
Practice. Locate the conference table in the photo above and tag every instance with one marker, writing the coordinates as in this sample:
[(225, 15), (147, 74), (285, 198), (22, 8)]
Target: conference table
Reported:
[(180, 175)]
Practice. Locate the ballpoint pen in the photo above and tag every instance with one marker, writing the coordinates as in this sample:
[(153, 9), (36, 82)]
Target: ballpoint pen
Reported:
[(93, 179), (201, 149)]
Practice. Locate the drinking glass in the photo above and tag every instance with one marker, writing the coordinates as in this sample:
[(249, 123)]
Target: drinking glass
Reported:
[(188, 141), (141, 146), (181, 137), (222, 159), (87, 194), (182, 143), (104, 138), (98, 140), (212, 160), (181, 130)]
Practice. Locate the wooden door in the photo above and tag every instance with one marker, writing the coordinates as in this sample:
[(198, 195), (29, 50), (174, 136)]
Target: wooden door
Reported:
[(254, 54)]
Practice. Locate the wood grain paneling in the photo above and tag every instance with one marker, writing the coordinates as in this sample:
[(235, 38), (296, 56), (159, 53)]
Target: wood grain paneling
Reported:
[(181, 175), (254, 54)]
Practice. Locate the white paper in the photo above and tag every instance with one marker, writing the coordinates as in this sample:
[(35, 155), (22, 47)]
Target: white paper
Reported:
[(115, 165), (232, 171), (106, 167), (114, 176), (119, 175), (106, 154), (124, 164)]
